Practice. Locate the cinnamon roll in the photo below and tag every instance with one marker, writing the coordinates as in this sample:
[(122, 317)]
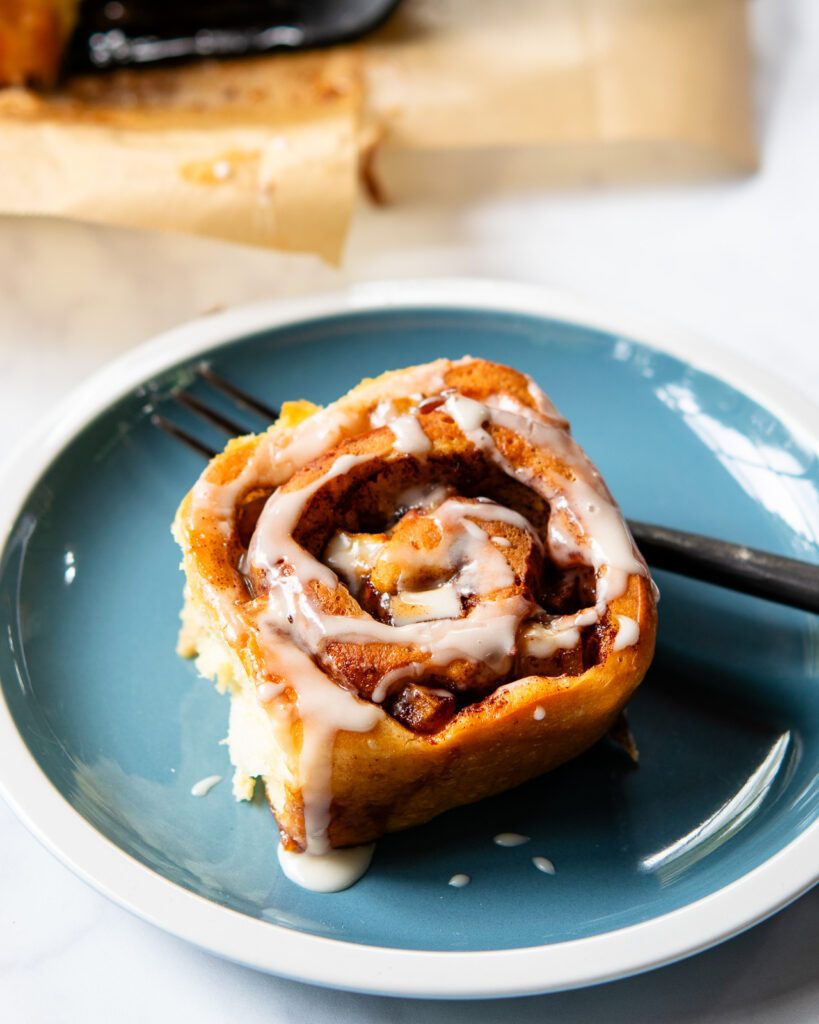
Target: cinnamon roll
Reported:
[(418, 596)]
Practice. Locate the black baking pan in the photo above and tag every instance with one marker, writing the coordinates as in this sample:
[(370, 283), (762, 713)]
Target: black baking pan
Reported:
[(127, 33)]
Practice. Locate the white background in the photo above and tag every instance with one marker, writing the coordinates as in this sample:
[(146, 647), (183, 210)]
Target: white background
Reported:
[(737, 262)]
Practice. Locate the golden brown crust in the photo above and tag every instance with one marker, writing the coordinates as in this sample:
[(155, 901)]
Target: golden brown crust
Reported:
[(393, 777)]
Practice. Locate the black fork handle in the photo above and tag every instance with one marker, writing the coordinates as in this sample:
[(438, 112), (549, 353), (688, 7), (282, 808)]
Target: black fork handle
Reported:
[(774, 577)]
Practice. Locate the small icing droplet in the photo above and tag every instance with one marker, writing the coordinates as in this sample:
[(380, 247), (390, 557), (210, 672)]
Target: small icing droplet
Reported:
[(510, 839), (539, 713), (544, 864), (459, 881), (204, 786)]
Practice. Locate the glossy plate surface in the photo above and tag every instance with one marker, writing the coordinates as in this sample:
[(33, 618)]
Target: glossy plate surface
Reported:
[(650, 863)]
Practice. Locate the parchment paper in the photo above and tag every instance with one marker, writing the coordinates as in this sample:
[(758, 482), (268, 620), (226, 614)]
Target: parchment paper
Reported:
[(596, 90), (268, 150), (252, 151)]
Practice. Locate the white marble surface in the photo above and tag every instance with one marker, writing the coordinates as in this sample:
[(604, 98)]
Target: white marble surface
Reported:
[(735, 261)]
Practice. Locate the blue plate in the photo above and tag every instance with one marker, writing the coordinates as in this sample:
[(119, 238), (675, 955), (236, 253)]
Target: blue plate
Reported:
[(727, 720)]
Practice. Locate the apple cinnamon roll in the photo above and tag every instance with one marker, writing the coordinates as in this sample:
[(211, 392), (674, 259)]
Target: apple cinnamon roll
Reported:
[(418, 596)]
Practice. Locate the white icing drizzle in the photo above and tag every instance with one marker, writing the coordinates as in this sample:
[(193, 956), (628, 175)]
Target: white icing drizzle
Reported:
[(482, 568), (423, 496), (327, 709), (273, 546), (544, 864), (332, 871), (281, 454), (628, 633), (453, 511), (539, 713), (459, 881), (484, 635), (487, 634), (470, 417), (351, 558), (422, 606), (541, 641), (578, 505), (204, 786), (510, 839), (383, 413), (409, 435)]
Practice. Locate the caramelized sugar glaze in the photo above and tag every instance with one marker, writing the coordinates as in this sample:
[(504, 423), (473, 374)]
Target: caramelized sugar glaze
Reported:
[(406, 576)]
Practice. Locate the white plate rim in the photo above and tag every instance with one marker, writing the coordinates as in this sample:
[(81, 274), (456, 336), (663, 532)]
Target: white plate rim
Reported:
[(331, 962)]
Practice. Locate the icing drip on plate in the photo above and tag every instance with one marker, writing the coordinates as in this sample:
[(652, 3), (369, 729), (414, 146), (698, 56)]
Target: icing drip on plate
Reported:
[(332, 871), (204, 786)]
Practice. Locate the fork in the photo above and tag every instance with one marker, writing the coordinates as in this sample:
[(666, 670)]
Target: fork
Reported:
[(734, 566)]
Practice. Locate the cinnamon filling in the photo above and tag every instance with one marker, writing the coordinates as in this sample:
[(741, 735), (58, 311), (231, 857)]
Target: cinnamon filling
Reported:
[(413, 541)]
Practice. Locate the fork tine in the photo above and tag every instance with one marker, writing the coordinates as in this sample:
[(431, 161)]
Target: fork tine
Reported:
[(182, 435), (200, 408), (197, 406), (237, 394)]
